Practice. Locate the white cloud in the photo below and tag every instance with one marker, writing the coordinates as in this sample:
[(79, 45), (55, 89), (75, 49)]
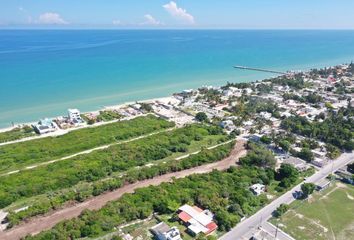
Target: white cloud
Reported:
[(117, 22), (178, 13), (150, 20), (51, 18)]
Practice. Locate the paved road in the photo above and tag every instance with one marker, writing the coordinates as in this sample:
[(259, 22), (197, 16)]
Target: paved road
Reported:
[(265, 213), (268, 231), (42, 223)]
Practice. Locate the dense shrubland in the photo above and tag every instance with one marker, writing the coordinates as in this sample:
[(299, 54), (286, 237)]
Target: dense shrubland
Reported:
[(30, 152)]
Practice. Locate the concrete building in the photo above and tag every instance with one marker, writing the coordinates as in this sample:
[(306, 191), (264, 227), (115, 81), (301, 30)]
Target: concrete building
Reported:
[(75, 117), (44, 126), (163, 232), (257, 189), (197, 220), (299, 164)]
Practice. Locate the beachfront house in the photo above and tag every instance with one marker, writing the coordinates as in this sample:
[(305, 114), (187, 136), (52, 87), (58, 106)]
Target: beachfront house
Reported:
[(164, 232), (44, 126), (75, 117), (197, 220)]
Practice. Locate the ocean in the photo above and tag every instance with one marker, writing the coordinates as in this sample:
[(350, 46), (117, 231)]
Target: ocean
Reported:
[(44, 72)]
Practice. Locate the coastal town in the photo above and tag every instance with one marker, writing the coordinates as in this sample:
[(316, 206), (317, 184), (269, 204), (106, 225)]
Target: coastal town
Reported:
[(294, 126)]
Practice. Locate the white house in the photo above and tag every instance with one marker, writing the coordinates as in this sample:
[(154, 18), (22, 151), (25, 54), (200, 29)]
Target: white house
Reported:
[(74, 116), (163, 232), (44, 126), (257, 189)]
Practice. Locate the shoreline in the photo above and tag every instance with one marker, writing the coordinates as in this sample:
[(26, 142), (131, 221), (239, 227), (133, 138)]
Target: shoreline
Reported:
[(127, 103), (117, 106)]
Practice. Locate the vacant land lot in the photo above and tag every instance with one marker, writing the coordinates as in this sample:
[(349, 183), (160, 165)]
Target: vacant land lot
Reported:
[(101, 164), (327, 215), (17, 155), (16, 133)]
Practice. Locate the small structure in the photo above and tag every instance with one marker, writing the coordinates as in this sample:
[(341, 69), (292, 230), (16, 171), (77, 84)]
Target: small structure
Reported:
[(74, 117), (299, 164), (228, 125), (197, 220), (319, 162), (257, 189), (163, 232), (323, 184), (44, 126)]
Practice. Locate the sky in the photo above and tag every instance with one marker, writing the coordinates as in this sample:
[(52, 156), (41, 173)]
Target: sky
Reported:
[(213, 14)]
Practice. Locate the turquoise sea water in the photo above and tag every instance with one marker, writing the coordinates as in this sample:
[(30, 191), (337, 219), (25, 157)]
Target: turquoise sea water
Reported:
[(42, 73)]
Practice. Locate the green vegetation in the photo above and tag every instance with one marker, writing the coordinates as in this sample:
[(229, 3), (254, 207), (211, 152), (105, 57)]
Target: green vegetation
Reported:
[(258, 156), (56, 200), (201, 117), (248, 106), (283, 208), (307, 189), (146, 107), (100, 164), (287, 175), (16, 133), (108, 115), (310, 98), (22, 154), (305, 154), (337, 129), (328, 215), (296, 83), (217, 191)]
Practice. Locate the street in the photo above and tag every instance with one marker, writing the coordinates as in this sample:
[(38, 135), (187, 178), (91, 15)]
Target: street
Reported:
[(265, 213)]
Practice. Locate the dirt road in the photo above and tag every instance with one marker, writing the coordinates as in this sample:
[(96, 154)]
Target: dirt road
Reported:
[(42, 223)]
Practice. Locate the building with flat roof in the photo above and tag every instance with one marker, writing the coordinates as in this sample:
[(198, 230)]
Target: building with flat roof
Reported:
[(164, 232), (75, 117), (44, 126), (257, 189), (197, 220), (323, 184), (299, 164)]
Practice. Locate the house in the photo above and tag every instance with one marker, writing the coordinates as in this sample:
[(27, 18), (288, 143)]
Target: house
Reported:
[(299, 164), (197, 220), (44, 126), (163, 232), (75, 117), (228, 125), (323, 184), (257, 189), (319, 162)]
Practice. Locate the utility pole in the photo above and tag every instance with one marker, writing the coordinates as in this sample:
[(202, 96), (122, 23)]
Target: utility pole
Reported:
[(276, 231)]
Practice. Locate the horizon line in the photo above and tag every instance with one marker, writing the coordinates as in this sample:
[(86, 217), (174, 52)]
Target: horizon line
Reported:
[(166, 29)]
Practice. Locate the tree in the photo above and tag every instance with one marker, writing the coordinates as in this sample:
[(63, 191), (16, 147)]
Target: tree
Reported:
[(146, 107), (201, 117), (351, 167), (306, 154), (283, 208), (266, 140), (332, 151), (287, 171), (308, 188), (284, 144)]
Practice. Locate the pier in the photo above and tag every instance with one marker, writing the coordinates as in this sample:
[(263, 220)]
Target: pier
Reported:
[(260, 70)]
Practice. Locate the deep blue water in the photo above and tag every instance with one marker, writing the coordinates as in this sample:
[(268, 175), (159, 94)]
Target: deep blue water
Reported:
[(42, 73)]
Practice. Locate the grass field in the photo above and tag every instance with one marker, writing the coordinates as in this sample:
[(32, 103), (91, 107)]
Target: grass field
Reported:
[(325, 216)]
